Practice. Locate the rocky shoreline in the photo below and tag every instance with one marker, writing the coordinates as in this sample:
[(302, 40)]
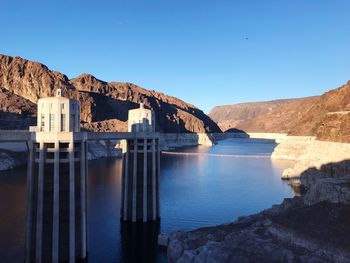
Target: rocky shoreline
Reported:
[(312, 227), (289, 232)]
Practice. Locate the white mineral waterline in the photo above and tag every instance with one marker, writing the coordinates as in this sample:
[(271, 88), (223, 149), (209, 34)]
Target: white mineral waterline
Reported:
[(263, 156)]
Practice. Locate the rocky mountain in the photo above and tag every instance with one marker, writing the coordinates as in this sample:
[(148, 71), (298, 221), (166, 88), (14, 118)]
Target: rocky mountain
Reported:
[(246, 116), (327, 116), (15, 111), (104, 106)]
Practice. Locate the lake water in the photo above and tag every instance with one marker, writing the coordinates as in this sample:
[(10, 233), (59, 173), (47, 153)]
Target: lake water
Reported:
[(200, 186)]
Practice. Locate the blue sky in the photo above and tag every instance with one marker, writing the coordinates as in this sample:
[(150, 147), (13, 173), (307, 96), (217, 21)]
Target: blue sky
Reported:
[(204, 52)]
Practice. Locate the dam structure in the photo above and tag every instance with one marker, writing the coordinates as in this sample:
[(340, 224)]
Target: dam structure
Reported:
[(56, 224), (141, 169)]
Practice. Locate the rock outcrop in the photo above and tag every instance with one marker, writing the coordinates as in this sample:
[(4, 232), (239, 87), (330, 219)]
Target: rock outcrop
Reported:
[(310, 228), (327, 117), (15, 111), (104, 106), (308, 152)]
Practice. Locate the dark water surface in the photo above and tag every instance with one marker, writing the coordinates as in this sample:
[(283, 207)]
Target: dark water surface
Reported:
[(199, 186)]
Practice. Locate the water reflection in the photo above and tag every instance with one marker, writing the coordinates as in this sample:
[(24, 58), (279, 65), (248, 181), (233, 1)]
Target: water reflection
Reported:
[(12, 215), (104, 193), (197, 193), (139, 241)]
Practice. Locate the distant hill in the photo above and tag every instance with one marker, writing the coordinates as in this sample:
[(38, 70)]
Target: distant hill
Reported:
[(104, 106), (247, 115), (327, 116)]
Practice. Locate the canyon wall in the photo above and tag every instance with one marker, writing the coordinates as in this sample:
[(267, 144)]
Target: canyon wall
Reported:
[(326, 117), (265, 116)]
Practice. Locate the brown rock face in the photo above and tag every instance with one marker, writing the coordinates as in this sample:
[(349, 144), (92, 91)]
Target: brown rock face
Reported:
[(15, 112), (104, 106), (266, 116), (327, 116)]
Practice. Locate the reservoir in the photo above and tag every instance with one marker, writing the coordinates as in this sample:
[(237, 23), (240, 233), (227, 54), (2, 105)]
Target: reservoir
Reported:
[(199, 186)]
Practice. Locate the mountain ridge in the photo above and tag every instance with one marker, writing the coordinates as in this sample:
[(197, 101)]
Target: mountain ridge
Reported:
[(104, 105), (240, 115), (326, 117)]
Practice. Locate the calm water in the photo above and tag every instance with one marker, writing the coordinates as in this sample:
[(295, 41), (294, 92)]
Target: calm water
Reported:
[(200, 186)]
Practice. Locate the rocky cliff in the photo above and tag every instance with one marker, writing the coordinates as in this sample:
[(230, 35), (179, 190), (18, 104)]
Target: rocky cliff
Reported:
[(248, 116), (104, 106), (326, 117)]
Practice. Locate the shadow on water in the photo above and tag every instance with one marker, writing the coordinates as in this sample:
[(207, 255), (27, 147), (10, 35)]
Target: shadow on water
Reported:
[(139, 241), (12, 214), (110, 239)]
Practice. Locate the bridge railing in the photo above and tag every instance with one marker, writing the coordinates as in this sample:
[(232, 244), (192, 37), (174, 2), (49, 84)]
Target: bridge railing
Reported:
[(23, 136), (14, 136)]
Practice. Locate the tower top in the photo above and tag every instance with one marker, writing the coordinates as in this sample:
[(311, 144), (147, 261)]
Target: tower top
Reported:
[(141, 120), (59, 93), (58, 114)]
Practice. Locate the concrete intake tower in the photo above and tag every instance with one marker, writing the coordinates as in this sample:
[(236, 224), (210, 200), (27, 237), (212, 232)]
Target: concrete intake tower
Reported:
[(56, 228), (56, 183), (141, 168)]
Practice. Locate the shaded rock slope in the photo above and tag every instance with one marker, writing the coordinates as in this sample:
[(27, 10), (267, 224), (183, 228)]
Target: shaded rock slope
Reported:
[(327, 117), (104, 105)]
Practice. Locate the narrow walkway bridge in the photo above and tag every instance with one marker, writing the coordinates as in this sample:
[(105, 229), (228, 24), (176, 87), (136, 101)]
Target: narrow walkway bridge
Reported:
[(25, 136)]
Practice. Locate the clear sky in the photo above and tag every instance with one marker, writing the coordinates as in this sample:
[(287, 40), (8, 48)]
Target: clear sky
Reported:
[(207, 52)]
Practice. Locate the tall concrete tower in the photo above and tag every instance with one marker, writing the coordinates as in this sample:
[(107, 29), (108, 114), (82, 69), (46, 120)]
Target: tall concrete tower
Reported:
[(141, 170), (57, 168)]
